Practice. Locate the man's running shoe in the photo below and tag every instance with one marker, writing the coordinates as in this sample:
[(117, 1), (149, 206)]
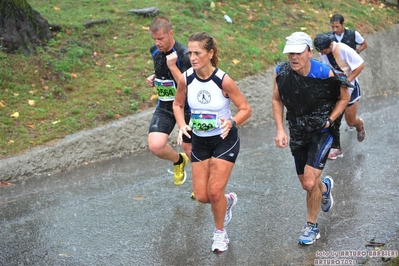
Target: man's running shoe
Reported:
[(335, 153), (220, 241), (179, 173), (361, 135), (327, 201), (310, 233), (231, 202)]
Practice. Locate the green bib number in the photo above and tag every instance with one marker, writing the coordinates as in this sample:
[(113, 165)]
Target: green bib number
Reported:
[(166, 89), (203, 121)]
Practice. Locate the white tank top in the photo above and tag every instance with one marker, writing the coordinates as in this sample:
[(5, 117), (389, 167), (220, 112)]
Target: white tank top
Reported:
[(207, 103)]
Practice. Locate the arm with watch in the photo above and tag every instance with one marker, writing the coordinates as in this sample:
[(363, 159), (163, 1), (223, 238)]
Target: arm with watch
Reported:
[(330, 122), (233, 122), (339, 108)]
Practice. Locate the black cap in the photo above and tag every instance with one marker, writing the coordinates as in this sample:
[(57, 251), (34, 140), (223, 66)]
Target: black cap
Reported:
[(322, 41)]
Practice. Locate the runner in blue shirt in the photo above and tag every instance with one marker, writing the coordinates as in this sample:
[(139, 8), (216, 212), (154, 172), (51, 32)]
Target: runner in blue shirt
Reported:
[(314, 99)]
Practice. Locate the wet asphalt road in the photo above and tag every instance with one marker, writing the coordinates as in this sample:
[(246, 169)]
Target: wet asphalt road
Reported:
[(127, 211)]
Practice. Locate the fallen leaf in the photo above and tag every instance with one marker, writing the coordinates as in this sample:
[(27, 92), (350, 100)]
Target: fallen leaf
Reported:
[(303, 28), (16, 94), (154, 97), (5, 202), (5, 184), (139, 198), (32, 102), (235, 61), (10, 142), (56, 8), (56, 122), (252, 17), (74, 75), (15, 115), (145, 28), (2, 105), (31, 125)]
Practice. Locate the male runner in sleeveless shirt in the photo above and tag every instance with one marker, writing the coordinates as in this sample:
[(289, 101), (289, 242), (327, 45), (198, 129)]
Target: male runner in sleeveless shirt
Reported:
[(343, 59), (314, 99), (352, 38), (170, 61)]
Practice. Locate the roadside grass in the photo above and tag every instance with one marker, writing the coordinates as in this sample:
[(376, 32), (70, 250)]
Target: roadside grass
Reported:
[(88, 77), (394, 262)]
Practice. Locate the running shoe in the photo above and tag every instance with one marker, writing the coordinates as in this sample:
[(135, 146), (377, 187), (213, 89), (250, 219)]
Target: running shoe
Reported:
[(310, 233), (179, 173), (335, 153), (230, 204), (362, 133), (327, 201), (220, 241)]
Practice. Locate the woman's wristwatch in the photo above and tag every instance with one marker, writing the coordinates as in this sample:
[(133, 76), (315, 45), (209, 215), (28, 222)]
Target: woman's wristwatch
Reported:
[(233, 123), (330, 122)]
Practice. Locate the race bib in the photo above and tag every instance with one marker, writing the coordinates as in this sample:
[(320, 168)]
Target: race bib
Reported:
[(203, 121), (166, 89)]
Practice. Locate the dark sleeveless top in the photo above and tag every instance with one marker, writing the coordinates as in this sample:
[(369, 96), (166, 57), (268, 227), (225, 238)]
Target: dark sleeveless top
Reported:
[(162, 71), (309, 102), (349, 38)]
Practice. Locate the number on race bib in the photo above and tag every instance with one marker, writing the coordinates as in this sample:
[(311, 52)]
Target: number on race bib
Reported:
[(166, 89), (203, 121)]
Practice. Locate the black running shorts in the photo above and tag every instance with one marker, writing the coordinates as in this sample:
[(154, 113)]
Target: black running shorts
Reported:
[(227, 149), (314, 151), (164, 121)]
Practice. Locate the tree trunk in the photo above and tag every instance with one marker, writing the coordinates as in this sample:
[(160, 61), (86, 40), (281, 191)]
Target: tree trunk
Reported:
[(21, 27)]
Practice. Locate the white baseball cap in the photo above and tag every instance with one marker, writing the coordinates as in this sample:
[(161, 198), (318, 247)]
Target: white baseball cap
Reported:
[(297, 43)]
